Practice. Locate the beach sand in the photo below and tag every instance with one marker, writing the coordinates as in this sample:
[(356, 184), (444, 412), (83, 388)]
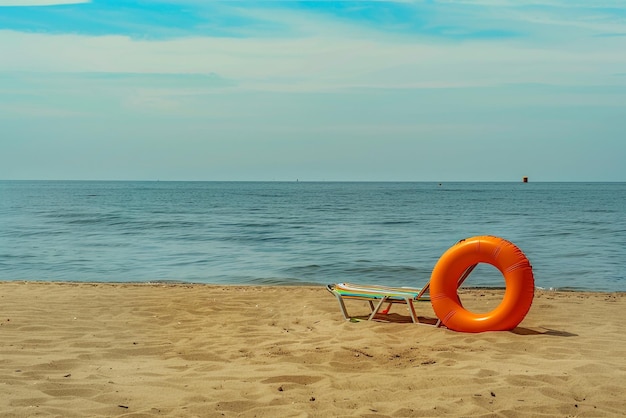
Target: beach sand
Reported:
[(143, 350)]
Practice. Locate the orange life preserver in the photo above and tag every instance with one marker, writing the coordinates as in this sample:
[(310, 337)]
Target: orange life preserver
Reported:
[(500, 253)]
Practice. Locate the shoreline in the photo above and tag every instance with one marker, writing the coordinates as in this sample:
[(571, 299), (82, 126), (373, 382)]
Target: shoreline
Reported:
[(286, 284), (137, 349)]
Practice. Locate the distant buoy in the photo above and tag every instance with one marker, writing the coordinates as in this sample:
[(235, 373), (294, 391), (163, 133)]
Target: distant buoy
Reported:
[(525, 179)]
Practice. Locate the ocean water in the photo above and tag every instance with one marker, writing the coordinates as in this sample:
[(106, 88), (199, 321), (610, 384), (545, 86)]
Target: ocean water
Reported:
[(574, 234)]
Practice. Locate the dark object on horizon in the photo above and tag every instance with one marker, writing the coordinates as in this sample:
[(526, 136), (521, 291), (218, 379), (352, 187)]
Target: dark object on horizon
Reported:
[(525, 179)]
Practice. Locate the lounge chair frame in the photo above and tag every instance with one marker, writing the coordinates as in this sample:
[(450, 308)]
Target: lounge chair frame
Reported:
[(377, 296)]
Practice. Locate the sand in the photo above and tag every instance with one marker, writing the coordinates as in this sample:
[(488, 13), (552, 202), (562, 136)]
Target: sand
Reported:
[(139, 350)]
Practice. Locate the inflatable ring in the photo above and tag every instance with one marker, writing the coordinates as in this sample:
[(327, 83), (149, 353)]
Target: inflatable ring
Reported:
[(502, 254)]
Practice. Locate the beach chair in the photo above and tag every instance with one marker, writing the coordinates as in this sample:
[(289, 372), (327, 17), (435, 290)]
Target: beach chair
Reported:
[(377, 296)]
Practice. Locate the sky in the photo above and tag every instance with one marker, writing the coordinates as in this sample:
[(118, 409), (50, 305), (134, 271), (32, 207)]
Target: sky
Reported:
[(456, 90)]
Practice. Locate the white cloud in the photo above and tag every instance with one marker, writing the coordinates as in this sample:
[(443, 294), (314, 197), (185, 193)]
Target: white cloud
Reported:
[(39, 2), (321, 62)]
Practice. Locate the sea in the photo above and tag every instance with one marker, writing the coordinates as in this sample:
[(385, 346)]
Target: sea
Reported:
[(306, 233)]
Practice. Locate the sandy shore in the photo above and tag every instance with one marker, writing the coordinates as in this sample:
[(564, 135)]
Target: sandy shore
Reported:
[(216, 351)]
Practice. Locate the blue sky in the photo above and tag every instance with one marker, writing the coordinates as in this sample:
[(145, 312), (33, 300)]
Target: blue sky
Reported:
[(486, 90)]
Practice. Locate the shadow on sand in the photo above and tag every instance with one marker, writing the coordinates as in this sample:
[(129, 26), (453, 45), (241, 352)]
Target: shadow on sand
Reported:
[(546, 331), (402, 319)]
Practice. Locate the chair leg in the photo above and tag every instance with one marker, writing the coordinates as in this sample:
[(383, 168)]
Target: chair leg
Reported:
[(342, 306), (375, 311), (409, 303)]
